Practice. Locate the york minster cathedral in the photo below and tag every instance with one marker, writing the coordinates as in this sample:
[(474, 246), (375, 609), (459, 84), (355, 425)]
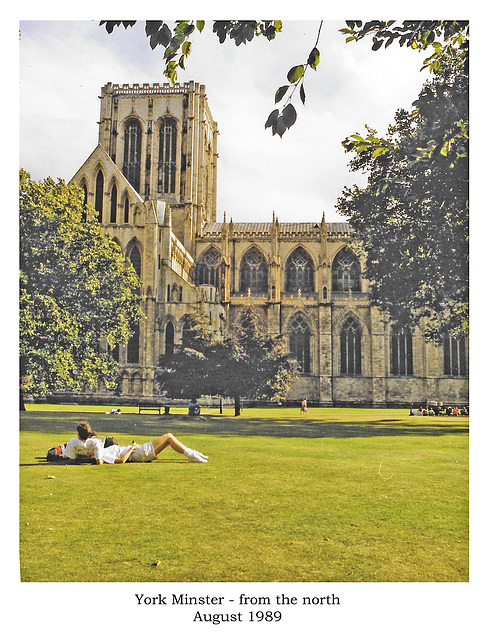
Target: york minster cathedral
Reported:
[(152, 180)]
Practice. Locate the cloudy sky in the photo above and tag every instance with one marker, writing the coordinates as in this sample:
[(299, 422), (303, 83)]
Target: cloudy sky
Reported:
[(63, 64)]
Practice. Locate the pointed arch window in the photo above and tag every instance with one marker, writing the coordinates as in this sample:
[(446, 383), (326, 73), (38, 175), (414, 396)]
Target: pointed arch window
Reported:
[(131, 166), (208, 268), (136, 260), (113, 204), (254, 273), (454, 356), (169, 338), (99, 195), (167, 156), (299, 272), (133, 347), (401, 352), (346, 272), (300, 342), (351, 347), (133, 343), (126, 210), (85, 201)]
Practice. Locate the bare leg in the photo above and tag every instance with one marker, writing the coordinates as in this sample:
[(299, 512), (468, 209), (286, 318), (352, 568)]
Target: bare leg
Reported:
[(167, 440)]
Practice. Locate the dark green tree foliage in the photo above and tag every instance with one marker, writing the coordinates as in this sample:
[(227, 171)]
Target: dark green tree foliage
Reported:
[(248, 364), (75, 292), (412, 218)]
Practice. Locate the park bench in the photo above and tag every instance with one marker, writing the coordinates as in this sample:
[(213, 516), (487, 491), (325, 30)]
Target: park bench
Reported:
[(144, 406)]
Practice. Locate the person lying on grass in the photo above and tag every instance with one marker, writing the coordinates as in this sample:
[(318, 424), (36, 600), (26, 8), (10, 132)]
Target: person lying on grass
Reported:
[(89, 444)]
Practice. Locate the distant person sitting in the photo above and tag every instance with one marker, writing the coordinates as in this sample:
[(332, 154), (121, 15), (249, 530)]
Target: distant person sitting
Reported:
[(193, 408)]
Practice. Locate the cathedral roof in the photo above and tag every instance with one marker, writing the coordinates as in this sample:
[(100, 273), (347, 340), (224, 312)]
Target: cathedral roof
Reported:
[(309, 230)]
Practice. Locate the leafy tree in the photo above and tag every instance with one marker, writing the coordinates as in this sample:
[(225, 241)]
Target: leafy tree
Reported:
[(412, 217), (76, 291), (249, 363)]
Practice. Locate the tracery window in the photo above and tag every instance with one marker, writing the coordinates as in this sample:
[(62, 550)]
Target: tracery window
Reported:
[(401, 353), (351, 347), (454, 356), (131, 166), (346, 272), (300, 342), (113, 205), (208, 268), (299, 272), (254, 273), (167, 157), (99, 195)]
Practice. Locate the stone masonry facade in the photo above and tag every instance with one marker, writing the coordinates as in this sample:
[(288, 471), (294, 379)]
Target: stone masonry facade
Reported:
[(153, 181)]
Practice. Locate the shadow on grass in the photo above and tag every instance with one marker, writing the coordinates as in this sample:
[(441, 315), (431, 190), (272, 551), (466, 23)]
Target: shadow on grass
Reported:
[(278, 427), (42, 462)]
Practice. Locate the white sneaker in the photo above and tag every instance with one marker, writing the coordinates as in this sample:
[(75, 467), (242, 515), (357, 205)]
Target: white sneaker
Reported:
[(201, 455), (195, 457)]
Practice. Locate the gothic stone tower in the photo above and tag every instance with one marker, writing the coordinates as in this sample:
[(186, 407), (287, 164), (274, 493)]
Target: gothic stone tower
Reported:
[(153, 181)]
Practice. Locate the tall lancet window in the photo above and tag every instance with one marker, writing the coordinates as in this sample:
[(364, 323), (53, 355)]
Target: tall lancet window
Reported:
[(167, 157), (454, 356), (351, 347), (346, 272), (136, 259), (99, 195), (299, 272), (401, 352), (131, 166), (113, 205), (169, 339), (254, 273), (208, 268), (133, 343), (300, 342)]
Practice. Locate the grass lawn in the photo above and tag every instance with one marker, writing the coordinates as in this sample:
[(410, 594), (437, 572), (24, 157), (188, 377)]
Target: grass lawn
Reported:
[(354, 495)]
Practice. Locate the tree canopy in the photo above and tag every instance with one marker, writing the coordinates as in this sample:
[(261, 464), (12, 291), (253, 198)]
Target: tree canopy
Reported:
[(412, 217), (78, 297), (248, 363)]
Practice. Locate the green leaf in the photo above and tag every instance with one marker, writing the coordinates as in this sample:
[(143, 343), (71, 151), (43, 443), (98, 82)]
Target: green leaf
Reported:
[(289, 115), (302, 94), (295, 73), (271, 121), (200, 25), (281, 92), (152, 27), (314, 58), (164, 35), (279, 127)]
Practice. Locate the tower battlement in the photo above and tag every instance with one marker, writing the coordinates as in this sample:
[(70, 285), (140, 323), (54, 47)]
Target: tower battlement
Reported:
[(152, 89)]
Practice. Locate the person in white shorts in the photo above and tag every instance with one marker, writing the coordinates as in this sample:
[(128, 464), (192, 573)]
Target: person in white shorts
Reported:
[(116, 454)]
